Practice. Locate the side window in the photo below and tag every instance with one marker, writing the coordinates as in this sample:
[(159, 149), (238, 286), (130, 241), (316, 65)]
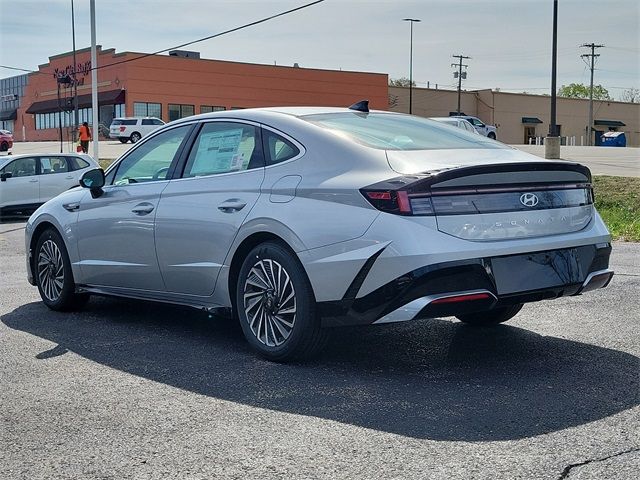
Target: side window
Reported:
[(77, 163), (22, 167), (277, 148), (152, 159), (155, 121), (223, 147), (49, 165), (147, 121)]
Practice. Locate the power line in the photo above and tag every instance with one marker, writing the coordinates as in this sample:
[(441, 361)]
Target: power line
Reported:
[(592, 56), (209, 37)]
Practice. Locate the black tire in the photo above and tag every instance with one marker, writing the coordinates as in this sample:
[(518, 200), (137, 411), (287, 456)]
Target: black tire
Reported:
[(491, 317), (135, 136), (55, 278), (4, 147), (286, 336), (123, 140), (492, 135)]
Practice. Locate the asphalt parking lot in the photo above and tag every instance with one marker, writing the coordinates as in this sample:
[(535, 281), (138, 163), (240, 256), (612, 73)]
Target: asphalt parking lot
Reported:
[(130, 389)]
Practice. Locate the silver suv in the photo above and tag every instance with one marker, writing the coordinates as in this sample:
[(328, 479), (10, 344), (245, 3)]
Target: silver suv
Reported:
[(133, 128)]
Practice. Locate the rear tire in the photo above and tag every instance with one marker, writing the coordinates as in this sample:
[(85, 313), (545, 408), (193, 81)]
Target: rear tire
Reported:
[(135, 136), (276, 305), (52, 271), (491, 317)]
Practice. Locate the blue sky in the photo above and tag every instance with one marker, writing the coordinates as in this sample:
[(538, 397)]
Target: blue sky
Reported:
[(509, 40)]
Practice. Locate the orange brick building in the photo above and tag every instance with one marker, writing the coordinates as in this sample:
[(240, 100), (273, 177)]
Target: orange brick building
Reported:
[(175, 86)]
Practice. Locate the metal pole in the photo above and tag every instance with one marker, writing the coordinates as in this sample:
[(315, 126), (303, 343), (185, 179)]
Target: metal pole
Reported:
[(75, 78), (411, 69), (94, 81), (60, 117), (459, 83), (590, 133), (553, 127), (411, 21)]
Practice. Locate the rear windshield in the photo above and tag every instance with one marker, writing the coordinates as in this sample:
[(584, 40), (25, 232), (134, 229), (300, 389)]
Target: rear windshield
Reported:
[(386, 131)]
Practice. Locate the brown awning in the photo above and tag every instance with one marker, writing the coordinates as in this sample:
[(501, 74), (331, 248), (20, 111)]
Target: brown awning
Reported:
[(111, 97)]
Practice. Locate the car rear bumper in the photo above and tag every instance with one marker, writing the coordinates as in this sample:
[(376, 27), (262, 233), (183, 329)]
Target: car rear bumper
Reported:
[(465, 286)]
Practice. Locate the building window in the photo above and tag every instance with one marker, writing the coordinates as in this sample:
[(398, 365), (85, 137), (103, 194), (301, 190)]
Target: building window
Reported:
[(180, 111), (211, 108), (118, 110), (145, 109)]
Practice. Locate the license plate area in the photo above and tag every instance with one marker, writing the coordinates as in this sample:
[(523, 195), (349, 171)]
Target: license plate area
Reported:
[(540, 270)]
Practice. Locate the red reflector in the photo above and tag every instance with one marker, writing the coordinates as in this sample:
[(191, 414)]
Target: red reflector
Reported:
[(379, 195), (122, 129), (462, 298), (403, 202)]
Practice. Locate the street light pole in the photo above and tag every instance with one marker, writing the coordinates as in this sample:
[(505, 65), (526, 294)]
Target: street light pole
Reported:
[(75, 77), (552, 142), (411, 21)]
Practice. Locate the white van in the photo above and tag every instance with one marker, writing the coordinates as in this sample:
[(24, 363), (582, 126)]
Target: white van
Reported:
[(133, 128)]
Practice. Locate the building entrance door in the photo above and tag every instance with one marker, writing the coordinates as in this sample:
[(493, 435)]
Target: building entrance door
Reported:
[(529, 135)]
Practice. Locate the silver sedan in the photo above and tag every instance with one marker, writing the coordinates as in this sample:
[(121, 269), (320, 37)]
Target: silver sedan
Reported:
[(294, 220)]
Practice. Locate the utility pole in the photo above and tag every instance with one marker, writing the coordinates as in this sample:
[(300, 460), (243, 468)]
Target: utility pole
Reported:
[(74, 135), (460, 74), (592, 57)]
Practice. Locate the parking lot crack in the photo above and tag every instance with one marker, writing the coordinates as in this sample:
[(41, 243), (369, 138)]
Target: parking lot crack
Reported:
[(567, 470)]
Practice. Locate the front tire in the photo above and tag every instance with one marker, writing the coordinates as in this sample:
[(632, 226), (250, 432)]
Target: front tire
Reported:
[(123, 140), (53, 273), (492, 135), (491, 317), (4, 147), (276, 305)]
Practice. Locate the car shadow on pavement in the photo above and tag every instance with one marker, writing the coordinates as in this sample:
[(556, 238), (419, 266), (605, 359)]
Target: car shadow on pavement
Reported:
[(434, 379)]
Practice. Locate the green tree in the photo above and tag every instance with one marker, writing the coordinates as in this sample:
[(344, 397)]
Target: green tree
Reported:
[(578, 90), (401, 82)]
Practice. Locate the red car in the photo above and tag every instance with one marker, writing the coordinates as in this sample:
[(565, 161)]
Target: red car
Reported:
[(6, 140)]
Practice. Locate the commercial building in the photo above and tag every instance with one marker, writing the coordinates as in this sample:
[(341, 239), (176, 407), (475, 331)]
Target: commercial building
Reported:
[(521, 118), (175, 86)]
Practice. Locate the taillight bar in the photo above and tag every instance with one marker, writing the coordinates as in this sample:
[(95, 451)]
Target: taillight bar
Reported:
[(467, 297)]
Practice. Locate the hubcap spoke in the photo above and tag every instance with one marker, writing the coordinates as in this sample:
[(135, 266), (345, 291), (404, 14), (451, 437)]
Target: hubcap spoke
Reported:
[(50, 270), (269, 302)]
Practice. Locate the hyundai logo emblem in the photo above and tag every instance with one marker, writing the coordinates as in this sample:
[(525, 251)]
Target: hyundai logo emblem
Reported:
[(529, 199)]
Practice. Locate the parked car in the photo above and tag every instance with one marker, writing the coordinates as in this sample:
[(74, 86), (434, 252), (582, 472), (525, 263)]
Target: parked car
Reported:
[(6, 140), (28, 181), (297, 219), (480, 126), (133, 128), (457, 122)]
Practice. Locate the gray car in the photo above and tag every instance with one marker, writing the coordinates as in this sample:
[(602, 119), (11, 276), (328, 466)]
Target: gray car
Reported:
[(294, 220)]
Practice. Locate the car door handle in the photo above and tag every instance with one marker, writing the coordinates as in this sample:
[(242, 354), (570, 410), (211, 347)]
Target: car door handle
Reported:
[(143, 209), (35, 180), (232, 205), (70, 177)]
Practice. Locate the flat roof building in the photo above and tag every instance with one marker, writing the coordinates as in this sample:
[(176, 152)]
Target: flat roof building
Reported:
[(175, 86)]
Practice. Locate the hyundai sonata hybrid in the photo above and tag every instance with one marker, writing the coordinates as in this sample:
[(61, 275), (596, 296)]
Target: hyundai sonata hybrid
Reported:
[(297, 219)]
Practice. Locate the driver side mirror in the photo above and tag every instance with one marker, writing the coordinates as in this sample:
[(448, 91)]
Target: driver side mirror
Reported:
[(5, 175), (94, 181)]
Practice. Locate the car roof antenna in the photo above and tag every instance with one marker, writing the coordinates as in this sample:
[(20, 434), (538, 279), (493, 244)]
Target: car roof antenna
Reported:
[(361, 106)]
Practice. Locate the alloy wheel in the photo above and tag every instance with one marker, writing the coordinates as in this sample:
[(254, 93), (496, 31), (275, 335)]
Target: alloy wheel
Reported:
[(270, 302), (50, 270)]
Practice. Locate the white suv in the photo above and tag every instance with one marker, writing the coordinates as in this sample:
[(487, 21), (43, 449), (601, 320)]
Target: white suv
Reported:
[(133, 128), (480, 126)]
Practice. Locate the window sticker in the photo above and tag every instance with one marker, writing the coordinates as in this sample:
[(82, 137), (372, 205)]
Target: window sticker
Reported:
[(223, 151)]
